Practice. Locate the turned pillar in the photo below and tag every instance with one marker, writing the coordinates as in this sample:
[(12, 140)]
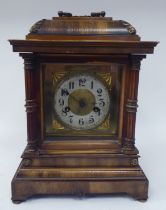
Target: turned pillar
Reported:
[(131, 104), (30, 101)]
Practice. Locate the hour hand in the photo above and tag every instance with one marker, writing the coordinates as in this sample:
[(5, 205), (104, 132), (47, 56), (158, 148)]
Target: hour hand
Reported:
[(65, 92), (74, 98)]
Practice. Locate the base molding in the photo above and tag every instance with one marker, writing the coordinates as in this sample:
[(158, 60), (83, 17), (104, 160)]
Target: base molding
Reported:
[(136, 189), (54, 181)]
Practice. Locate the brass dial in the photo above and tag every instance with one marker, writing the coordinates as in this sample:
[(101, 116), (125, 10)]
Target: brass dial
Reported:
[(81, 102)]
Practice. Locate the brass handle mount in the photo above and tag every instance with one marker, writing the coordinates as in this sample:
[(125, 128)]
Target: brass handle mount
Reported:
[(64, 14), (98, 14), (93, 14)]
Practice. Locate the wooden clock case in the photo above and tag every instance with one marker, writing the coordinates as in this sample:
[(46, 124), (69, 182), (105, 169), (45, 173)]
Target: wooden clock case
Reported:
[(89, 164)]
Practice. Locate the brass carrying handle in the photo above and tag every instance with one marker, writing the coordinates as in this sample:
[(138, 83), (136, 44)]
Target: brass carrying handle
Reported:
[(98, 14), (93, 14), (64, 14)]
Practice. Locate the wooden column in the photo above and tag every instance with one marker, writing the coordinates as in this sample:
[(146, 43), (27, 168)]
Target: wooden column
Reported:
[(131, 104), (30, 104)]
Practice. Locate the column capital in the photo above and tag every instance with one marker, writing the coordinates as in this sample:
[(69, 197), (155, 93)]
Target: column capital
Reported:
[(135, 62)]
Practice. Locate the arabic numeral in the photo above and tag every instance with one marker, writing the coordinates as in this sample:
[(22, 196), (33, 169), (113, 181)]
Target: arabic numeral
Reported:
[(71, 118), (81, 121), (99, 91), (65, 111), (61, 102), (82, 82), (64, 92), (91, 119), (97, 110), (91, 84), (101, 102)]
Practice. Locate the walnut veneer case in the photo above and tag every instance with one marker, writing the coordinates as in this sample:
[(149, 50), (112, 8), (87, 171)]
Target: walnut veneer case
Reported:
[(81, 82)]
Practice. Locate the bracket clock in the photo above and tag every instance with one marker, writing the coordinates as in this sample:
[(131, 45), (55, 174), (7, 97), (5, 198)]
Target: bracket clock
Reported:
[(81, 82)]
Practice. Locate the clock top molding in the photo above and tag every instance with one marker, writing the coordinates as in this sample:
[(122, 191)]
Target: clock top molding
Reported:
[(97, 33)]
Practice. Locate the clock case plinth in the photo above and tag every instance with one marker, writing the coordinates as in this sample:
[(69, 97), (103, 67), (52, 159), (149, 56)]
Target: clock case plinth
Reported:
[(81, 167)]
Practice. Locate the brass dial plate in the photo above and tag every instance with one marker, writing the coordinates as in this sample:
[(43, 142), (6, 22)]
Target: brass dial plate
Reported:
[(81, 102)]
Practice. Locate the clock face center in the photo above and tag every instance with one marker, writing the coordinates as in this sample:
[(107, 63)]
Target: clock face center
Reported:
[(81, 101)]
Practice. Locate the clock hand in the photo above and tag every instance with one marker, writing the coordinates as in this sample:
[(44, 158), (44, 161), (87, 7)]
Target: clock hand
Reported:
[(81, 102), (75, 99), (65, 92)]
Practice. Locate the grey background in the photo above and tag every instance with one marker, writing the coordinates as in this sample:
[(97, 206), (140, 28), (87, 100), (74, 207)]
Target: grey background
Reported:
[(16, 17)]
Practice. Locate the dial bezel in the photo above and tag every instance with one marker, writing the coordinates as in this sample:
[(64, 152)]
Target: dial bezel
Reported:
[(95, 77)]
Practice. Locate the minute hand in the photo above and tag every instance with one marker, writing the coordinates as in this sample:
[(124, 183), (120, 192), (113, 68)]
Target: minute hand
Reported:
[(75, 99)]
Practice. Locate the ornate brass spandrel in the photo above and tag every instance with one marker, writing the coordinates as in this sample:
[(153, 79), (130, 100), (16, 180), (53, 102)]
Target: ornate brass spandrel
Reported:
[(57, 76), (57, 125), (106, 124), (107, 77)]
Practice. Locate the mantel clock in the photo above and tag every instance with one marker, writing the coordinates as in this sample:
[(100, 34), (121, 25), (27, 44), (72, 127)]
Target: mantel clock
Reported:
[(81, 81)]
